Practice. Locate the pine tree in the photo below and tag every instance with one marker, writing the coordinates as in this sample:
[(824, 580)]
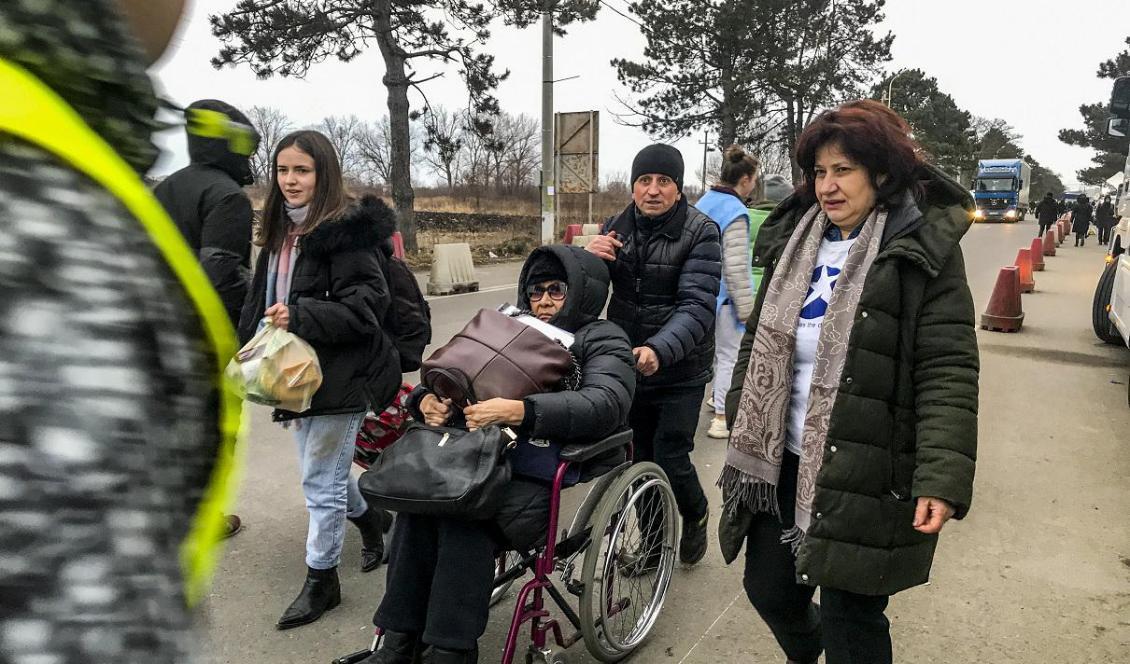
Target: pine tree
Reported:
[(1110, 152)]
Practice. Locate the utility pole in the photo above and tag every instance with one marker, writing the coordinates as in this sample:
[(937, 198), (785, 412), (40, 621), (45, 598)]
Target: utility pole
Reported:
[(548, 220), (705, 150)]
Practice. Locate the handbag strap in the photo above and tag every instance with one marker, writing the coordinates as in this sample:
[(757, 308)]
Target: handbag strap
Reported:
[(456, 379)]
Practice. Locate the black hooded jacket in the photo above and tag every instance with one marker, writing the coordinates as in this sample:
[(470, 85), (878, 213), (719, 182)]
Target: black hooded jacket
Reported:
[(338, 298), (599, 407), (208, 205)]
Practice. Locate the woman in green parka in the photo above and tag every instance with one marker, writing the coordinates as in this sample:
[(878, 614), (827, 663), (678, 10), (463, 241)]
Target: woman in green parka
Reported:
[(854, 401)]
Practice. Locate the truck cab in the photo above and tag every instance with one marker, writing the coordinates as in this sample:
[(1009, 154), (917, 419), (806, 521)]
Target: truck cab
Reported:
[(1000, 190)]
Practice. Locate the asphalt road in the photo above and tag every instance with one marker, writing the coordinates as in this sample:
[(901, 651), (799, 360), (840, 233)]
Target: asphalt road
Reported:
[(1039, 571)]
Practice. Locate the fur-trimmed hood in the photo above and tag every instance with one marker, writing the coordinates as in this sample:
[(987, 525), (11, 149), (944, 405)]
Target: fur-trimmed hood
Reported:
[(367, 223)]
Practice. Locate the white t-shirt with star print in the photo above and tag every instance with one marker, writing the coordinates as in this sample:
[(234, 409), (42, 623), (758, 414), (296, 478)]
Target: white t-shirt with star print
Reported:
[(829, 262)]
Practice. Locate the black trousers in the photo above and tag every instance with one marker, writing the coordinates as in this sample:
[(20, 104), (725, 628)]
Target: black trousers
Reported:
[(664, 421), (849, 628), (1080, 238), (441, 570), (1104, 235), (1044, 228)]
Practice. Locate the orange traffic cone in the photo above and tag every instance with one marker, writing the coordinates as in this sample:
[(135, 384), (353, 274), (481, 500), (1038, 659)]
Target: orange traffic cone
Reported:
[(1049, 243), (1004, 313), (1024, 264), (1037, 254)]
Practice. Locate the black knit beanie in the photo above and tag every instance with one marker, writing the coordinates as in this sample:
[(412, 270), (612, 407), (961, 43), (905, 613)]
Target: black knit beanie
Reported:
[(659, 158)]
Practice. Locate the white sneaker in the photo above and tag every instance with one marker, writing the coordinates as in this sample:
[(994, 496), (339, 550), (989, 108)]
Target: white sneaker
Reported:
[(710, 403), (718, 429)]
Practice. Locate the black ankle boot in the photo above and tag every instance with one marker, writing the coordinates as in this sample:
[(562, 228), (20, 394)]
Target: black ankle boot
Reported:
[(319, 594), (436, 655), (692, 544), (396, 648), (373, 524)]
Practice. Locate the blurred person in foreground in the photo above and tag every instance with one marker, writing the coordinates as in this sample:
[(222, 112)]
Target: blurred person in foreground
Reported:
[(115, 435), (207, 203)]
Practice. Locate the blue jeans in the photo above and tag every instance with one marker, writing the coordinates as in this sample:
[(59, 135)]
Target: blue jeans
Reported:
[(325, 453)]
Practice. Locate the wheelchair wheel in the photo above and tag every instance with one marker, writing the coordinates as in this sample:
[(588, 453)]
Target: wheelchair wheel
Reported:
[(501, 564), (628, 564)]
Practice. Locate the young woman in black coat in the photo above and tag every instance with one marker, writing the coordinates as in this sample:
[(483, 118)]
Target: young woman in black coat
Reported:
[(320, 276), (454, 558)]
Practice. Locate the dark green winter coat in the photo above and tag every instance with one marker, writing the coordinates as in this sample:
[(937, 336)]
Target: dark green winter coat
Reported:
[(904, 424)]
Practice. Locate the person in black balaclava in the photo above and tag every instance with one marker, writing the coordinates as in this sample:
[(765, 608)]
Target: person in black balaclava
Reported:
[(207, 202), (665, 259), (206, 198)]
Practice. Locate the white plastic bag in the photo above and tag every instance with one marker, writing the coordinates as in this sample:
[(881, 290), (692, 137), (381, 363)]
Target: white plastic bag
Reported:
[(276, 368)]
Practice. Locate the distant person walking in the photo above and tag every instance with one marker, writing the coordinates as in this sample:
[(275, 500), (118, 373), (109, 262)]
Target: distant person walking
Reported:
[(1047, 211), (725, 204), (1081, 215), (1105, 220)]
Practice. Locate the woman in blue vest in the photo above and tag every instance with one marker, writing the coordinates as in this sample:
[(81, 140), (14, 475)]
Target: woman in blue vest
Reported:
[(725, 204)]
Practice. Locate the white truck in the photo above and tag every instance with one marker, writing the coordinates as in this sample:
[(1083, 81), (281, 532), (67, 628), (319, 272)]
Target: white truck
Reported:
[(1110, 310)]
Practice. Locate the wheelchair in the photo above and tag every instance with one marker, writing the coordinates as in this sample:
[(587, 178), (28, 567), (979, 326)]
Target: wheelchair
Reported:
[(616, 558)]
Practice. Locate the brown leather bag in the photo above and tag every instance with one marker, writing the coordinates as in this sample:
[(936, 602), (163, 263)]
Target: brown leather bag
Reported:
[(496, 356)]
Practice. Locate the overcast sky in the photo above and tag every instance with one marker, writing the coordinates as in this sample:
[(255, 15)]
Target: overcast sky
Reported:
[(1030, 62)]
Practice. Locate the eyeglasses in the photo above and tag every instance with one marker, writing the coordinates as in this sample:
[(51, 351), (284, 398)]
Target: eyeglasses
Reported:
[(555, 290)]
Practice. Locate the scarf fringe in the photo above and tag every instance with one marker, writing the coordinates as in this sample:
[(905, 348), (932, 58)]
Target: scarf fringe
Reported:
[(741, 489), (793, 538)]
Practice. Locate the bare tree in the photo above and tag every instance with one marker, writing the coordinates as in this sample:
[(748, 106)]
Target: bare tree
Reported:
[(374, 149), (272, 124), (521, 136), (444, 143), (345, 134)]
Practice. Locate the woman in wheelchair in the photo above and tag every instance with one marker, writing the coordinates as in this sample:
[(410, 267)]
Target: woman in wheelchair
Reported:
[(441, 570)]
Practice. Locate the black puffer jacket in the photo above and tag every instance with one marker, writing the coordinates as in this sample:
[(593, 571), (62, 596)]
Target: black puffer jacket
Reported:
[(208, 205), (599, 407), (338, 298), (664, 291)]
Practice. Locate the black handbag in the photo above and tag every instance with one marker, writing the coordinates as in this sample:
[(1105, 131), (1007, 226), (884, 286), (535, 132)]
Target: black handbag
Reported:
[(441, 471)]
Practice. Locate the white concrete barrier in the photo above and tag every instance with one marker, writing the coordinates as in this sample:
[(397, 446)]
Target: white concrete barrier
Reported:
[(583, 240), (453, 270), (590, 229)]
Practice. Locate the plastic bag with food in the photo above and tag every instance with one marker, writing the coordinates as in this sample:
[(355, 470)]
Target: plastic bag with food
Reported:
[(276, 368)]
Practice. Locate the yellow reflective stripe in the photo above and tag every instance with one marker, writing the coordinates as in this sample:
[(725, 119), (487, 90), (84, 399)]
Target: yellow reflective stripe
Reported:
[(33, 112)]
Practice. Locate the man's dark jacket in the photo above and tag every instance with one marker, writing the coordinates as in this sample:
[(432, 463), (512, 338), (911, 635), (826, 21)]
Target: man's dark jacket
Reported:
[(1047, 210), (338, 298), (664, 290), (208, 205)]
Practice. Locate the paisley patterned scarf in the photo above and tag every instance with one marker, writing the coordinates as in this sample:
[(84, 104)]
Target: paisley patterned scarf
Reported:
[(757, 441)]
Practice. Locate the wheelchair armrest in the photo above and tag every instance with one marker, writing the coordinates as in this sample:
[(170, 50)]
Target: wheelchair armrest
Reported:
[(582, 453)]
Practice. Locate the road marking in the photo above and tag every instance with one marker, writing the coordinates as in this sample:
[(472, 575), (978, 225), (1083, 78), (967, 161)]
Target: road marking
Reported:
[(709, 629), (492, 289)]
